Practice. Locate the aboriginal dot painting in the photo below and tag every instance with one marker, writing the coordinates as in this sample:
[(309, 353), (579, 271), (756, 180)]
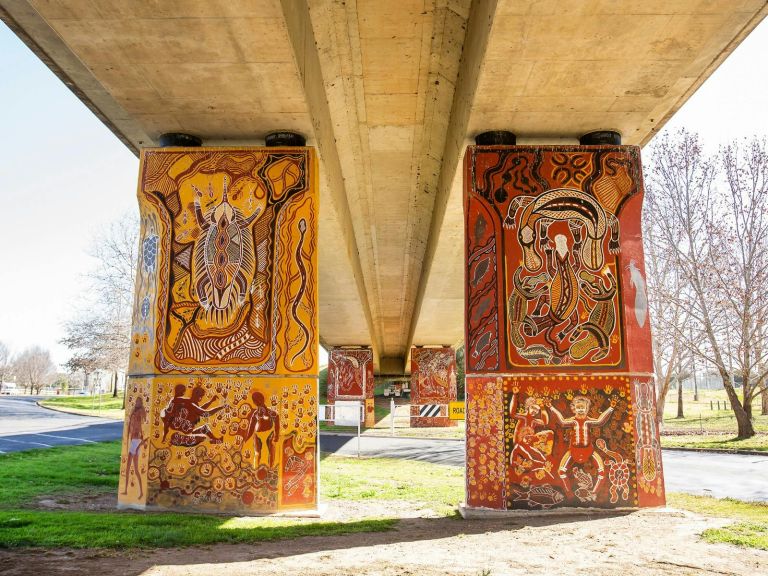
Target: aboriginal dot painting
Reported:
[(350, 377), (222, 397), (559, 370), (433, 386)]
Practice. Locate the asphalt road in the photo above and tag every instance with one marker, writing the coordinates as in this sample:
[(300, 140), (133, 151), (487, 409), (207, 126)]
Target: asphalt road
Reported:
[(700, 473), (24, 425)]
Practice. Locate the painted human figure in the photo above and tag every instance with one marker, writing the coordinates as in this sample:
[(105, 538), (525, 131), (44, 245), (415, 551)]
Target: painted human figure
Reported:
[(183, 416), (528, 443), (264, 426), (135, 439), (581, 449)]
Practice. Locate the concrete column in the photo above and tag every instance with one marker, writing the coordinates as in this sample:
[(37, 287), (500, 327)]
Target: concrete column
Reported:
[(350, 377), (433, 386), (559, 373), (222, 394)]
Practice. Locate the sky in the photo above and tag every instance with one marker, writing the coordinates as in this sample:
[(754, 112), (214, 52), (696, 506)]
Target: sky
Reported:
[(733, 102), (64, 176)]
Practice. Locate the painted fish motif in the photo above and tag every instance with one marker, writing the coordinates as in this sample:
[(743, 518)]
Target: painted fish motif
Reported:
[(544, 496), (585, 491), (536, 352), (641, 300)]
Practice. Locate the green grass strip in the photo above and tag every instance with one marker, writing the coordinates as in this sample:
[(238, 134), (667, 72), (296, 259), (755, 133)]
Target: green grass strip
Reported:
[(76, 471), (90, 469), (750, 532), (746, 534), (757, 443), (721, 507), (125, 530), (105, 402), (441, 487)]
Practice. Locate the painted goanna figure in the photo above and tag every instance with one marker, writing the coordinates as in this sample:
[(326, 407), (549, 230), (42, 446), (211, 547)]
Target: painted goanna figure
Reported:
[(580, 448)]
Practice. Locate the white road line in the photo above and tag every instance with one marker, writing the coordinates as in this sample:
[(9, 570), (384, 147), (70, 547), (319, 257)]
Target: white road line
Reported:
[(66, 438), (25, 442)]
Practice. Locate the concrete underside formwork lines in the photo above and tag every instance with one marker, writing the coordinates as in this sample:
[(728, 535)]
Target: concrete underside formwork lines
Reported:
[(390, 93)]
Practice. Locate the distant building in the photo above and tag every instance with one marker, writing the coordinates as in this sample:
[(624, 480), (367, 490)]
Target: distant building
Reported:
[(9, 388)]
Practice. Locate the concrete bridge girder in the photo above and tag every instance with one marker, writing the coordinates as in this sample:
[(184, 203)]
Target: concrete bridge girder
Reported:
[(390, 93)]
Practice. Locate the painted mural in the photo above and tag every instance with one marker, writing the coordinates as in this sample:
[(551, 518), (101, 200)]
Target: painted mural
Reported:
[(228, 255), (647, 448), (433, 386), (556, 309), (569, 441), (222, 395), (350, 374), (350, 377), (220, 444), (486, 465)]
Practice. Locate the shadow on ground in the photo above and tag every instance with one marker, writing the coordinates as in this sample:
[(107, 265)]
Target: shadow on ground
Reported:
[(24, 561)]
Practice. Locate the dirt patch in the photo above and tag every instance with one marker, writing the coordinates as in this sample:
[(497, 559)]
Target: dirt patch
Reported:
[(80, 502), (336, 511), (351, 510), (645, 542)]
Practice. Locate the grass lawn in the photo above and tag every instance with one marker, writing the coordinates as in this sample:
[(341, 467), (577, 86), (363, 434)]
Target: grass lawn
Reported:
[(757, 443), (703, 415), (69, 473), (442, 487), (104, 405), (750, 531)]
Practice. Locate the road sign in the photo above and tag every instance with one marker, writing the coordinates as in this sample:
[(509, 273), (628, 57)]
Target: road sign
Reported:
[(456, 410), (347, 413)]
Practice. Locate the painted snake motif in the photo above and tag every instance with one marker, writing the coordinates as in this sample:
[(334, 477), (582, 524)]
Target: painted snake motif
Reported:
[(302, 289)]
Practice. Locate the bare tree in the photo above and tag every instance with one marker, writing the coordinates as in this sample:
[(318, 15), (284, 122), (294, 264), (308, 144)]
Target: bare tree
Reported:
[(99, 334), (115, 249), (740, 273), (90, 340), (668, 316), (32, 368), (5, 363), (716, 234)]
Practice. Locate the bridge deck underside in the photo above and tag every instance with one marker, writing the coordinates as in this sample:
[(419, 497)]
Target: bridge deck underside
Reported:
[(390, 93)]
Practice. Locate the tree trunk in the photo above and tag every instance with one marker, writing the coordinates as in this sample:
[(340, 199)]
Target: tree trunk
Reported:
[(764, 396), (660, 411), (114, 384), (661, 400), (743, 417), (680, 400)]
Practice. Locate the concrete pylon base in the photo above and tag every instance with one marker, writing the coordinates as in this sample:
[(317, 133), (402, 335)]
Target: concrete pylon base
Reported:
[(319, 512), (470, 513)]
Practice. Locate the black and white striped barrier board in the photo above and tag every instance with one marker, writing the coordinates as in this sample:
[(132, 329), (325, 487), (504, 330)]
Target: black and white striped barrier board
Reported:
[(429, 410)]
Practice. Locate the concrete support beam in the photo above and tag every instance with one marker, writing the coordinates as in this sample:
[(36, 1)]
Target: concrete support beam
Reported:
[(559, 375), (350, 377), (224, 356), (390, 93), (433, 386), (301, 34)]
